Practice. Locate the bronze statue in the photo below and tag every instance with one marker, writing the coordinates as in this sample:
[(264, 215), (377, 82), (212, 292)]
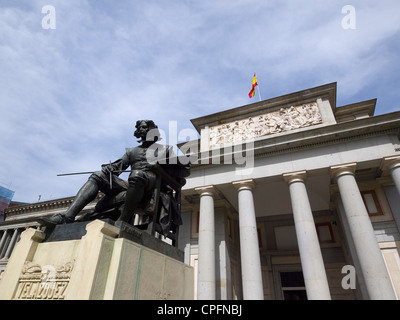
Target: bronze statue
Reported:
[(147, 161)]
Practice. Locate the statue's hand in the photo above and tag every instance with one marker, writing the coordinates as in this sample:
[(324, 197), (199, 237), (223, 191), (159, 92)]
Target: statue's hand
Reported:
[(106, 169)]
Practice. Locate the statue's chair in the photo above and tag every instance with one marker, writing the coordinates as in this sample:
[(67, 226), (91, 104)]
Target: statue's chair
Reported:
[(159, 213)]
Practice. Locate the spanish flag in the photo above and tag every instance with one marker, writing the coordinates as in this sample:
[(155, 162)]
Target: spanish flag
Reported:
[(253, 89)]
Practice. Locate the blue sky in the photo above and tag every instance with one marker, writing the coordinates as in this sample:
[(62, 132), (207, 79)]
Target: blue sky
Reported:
[(70, 96)]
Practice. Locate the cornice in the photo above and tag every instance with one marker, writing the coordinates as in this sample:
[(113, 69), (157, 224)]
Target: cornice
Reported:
[(366, 107), (42, 207), (39, 206)]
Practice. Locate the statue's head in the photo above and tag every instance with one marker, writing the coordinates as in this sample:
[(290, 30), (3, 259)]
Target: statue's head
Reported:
[(146, 130)]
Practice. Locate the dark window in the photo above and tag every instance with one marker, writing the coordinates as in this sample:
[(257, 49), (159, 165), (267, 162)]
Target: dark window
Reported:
[(293, 286)]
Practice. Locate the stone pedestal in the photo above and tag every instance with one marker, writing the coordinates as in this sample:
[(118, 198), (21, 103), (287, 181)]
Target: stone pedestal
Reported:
[(96, 266)]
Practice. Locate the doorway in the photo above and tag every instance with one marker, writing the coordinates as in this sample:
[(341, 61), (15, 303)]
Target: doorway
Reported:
[(293, 286)]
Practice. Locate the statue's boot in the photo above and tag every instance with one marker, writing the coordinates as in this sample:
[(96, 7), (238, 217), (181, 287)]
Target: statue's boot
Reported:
[(86, 194)]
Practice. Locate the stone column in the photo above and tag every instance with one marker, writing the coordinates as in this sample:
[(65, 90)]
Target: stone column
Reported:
[(372, 264), (222, 261), (3, 241), (249, 247), (393, 165), (185, 235), (12, 244), (310, 252), (206, 289)]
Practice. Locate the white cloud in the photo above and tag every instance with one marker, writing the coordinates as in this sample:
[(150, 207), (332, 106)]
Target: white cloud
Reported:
[(71, 96)]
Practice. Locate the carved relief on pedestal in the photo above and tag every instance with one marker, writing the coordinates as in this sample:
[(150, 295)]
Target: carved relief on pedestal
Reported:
[(285, 119), (47, 282)]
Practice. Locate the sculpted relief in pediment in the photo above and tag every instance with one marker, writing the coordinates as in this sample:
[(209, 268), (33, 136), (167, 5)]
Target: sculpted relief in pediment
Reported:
[(285, 119)]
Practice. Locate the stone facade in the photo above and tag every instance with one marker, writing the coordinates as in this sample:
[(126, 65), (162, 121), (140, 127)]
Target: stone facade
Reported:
[(298, 200)]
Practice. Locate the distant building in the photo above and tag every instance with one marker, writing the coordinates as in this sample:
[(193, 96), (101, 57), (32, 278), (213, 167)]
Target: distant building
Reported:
[(291, 198), (6, 196)]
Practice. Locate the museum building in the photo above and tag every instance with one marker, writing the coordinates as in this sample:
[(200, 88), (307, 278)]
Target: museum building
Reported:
[(288, 198)]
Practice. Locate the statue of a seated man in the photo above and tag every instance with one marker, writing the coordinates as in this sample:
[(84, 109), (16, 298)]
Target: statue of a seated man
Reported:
[(139, 188)]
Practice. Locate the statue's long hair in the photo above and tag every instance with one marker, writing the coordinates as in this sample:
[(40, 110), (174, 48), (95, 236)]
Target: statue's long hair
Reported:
[(154, 134)]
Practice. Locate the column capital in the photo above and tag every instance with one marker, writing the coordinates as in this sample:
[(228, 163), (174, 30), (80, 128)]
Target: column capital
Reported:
[(248, 184), (348, 168), (295, 176), (389, 163), (206, 190)]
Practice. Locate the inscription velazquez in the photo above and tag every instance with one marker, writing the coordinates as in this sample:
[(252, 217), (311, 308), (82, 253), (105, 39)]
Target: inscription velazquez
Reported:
[(43, 282), (131, 231)]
